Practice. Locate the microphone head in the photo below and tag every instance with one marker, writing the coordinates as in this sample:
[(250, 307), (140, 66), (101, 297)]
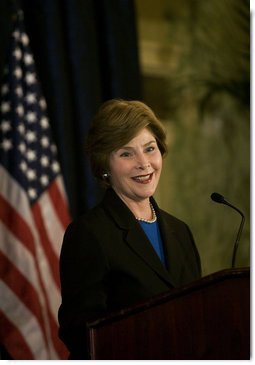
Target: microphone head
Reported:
[(218, 198)]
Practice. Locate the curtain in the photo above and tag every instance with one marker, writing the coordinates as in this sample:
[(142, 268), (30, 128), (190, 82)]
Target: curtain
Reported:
[(85, 52)]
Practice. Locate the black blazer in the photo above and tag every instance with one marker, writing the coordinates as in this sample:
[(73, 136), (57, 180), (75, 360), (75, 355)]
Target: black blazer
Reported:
[(107, 263)]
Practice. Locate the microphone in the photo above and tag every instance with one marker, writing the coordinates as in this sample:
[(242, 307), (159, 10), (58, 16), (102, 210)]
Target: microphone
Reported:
[(218, 198)]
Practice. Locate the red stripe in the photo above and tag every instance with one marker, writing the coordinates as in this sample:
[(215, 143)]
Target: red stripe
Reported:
[(46, 243), (13, 340), (23, 289), (16, 225), (59, 204), (58, 344)]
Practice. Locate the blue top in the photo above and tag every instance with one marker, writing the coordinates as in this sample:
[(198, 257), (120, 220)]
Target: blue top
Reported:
[(153, 233)]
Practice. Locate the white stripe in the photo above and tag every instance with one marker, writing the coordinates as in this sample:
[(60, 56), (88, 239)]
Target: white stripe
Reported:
[(25, 321), (53, 226)]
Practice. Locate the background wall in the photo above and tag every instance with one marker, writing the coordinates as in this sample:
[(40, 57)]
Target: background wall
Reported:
[(195, 65)]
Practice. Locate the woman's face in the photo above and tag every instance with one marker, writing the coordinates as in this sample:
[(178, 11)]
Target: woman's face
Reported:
[(136, 167)]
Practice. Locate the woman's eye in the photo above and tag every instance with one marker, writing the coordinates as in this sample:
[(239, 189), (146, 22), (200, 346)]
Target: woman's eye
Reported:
[(150, 149), (125, 154)]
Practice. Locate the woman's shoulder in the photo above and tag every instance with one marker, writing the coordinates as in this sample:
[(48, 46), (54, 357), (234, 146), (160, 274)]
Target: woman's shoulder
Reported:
[(87, 218), (170, 217), (166, 216)]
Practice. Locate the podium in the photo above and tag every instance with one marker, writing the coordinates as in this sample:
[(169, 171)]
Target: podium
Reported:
[(208, 319)]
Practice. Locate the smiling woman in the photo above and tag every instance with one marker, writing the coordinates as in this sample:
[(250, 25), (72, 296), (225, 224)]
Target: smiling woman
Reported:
[(126, 249), (114, 126)]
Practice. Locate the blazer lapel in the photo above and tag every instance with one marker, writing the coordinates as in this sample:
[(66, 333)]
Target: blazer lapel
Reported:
[(140, 244), (135, 236), (172, 254)]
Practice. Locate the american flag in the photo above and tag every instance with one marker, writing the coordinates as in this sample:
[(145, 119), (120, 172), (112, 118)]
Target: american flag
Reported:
[(33, 212)]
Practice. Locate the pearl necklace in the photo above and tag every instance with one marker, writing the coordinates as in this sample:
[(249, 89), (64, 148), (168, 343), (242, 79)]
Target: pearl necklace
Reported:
[(154, 216)]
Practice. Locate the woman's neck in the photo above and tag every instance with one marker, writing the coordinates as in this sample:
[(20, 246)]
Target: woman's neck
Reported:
[(140, 208)]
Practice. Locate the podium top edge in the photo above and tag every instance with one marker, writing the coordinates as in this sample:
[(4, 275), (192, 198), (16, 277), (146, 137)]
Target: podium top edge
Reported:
[(208, 280)]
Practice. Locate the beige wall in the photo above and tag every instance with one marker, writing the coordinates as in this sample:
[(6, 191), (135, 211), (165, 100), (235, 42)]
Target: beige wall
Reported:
[(194, 57)]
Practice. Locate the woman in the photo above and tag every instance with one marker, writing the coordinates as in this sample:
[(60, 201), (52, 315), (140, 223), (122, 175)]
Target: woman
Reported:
[(126, 249)]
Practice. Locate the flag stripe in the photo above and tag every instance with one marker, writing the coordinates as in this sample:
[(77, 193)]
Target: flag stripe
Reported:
[(58, 345), (15, 195), (53, 226), (25, 291), (14, 341), (46, 244), (16, 225), (24, 235), (52, 301), (25, 321), (20, 257), (25, 262), (22, 289), (59, 202)]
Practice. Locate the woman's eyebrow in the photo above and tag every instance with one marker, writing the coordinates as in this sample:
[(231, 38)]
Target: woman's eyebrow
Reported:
[(145, 145), (152, 141)]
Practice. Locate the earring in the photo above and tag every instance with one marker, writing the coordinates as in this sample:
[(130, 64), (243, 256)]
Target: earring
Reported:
[(105, 175)]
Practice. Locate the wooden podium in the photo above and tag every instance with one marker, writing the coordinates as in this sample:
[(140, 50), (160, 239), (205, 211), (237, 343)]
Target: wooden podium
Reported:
[(209, 319)]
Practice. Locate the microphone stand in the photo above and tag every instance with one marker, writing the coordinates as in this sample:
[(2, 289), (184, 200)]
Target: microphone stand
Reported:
[(238, 233), (218, 198)]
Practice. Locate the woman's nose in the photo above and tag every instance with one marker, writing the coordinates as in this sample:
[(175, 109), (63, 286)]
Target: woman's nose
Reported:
[(144, 166), (142, 163)]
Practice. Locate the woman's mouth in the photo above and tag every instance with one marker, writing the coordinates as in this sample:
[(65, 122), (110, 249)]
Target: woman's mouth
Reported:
[(143, 179)]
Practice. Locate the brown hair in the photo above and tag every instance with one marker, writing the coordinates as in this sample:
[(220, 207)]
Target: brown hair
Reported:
[(115, 124)]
